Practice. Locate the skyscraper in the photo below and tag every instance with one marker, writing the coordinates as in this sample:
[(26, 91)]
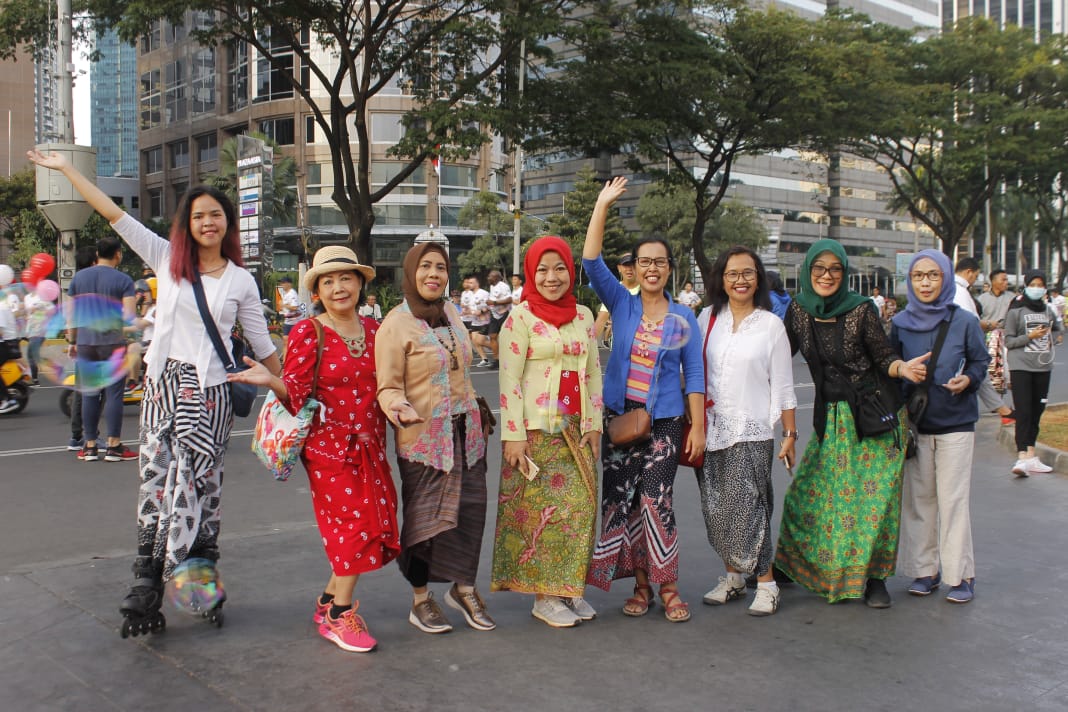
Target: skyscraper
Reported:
[(113, 78)]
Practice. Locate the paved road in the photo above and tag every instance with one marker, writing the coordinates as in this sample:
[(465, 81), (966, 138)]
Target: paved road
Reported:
[(66, 529)]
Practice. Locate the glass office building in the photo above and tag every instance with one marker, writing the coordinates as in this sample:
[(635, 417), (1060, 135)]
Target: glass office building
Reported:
[(113, 79)]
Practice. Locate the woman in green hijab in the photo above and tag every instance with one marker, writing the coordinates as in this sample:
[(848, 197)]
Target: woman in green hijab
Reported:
[(840, 518)]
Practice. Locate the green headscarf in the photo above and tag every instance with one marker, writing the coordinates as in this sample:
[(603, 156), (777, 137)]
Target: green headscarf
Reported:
[(842, 301)]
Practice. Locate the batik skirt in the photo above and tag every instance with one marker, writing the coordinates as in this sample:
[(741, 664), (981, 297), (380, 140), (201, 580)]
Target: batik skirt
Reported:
[(842, 511), (546, 526)]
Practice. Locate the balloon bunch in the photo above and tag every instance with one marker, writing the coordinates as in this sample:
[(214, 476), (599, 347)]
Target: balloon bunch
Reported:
[(34, 276)]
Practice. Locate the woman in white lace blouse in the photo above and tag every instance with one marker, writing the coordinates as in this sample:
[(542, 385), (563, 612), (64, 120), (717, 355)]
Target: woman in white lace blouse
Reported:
[(749, 386)]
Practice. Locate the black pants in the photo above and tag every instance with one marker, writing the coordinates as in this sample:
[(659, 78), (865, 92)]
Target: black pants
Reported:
[(1029, 391)]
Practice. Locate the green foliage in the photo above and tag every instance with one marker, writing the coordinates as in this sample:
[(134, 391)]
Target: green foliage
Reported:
[(488, 252), (388, 295), (571, 225), (31, 234), (17, 193)]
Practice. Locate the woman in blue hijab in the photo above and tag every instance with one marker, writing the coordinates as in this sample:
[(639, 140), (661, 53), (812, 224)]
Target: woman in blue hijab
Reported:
[(936, 530)]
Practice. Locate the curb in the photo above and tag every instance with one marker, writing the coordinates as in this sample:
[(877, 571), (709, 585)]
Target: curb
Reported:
[(1057, 459)]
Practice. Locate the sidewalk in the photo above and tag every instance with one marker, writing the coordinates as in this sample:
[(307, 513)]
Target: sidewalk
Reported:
[(1005, 651)]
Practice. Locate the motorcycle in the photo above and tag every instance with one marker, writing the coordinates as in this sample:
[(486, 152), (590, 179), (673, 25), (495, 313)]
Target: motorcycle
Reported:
[(17, 379), (130, 396)]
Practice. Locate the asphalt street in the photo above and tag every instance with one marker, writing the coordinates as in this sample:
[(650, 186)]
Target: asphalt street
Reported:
[(67, 535)]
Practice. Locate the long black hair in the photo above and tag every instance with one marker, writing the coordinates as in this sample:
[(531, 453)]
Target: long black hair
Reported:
[(716, 293)]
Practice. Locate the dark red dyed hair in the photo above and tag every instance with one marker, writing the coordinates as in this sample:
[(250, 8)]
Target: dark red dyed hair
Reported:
[(184, 247)]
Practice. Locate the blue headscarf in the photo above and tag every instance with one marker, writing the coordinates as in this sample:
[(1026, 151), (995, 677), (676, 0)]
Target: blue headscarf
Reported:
[(919, 316)]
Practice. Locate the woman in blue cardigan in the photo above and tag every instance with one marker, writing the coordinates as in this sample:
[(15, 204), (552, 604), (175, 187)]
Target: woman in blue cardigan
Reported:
[(638, 536)]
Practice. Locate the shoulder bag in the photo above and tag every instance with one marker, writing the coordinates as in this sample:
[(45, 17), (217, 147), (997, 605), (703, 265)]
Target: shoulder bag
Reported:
[(242, 395), (685, 460), (280, 435)]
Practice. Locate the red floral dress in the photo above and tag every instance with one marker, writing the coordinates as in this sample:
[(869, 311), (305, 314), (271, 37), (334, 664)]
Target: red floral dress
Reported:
[(345, 454)]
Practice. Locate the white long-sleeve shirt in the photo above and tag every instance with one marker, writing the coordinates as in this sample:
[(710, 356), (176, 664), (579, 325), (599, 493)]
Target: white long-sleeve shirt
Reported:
[(748, 376), (180, 332)]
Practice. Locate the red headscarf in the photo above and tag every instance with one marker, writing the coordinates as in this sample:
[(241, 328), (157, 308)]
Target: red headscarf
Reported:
[(563, 309)]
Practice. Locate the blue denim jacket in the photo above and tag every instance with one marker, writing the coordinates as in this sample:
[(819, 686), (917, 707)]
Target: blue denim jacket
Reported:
[(626, 310)]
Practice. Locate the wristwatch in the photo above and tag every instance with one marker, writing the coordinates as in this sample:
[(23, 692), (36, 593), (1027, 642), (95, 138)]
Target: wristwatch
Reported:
[(790, 434)]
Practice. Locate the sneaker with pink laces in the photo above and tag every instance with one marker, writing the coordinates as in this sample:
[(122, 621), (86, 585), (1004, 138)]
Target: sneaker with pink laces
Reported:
[(348, 631)]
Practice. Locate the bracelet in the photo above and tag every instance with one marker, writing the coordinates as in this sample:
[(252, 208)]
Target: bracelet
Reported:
[(790, 434)]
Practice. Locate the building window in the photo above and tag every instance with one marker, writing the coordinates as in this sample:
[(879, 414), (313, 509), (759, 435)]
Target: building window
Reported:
[(179, 192), (154, 160), (383, 171), (461, 181), (150, 99), (386, 128), (309, 129), (280, 130), (202, 81), (155, 202), (273, 78), (237, 68), (207, 148), (174, 85), (179, 154), (150, 41)]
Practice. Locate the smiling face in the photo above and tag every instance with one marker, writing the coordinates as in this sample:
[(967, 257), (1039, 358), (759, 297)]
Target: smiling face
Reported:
[(207, 221), (651, 267), (339, 291), (927, 279), (551, 278), (740, 280), (827, 283), (431, 276)]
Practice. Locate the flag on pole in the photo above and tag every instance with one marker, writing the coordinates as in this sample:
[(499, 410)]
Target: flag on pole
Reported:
[(435, 160)]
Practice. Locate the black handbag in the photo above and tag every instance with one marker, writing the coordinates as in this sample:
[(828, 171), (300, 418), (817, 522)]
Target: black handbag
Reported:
[(242, 395)]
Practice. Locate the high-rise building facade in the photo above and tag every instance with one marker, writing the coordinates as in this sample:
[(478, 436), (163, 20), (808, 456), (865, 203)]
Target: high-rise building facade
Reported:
[(192, 99), (113, 81), (1045, 17)]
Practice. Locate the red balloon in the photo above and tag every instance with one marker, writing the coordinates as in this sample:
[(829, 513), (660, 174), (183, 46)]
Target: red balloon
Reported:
[(42, 264), (30, 277)]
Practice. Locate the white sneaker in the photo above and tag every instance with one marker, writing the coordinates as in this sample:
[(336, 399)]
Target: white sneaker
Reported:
[(8, 406), (726, 590), (1036, 465), (552, 611), (766, 601), (580, 608), (1020, 468), (483, 363)]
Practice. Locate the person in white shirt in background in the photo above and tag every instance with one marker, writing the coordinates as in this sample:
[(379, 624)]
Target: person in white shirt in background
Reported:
[(879, 299), (9, 351), (38, 314), (371, 308), (965, 274), (517, 289), (689, 297), (291, 313), (1058, 302), (500, 303), (475, 303)]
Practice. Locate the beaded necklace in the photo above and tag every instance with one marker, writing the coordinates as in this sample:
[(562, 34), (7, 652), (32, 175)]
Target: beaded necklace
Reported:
[(356, 344)]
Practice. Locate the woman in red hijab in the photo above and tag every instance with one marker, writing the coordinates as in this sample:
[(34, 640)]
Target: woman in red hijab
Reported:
[(551, 430)]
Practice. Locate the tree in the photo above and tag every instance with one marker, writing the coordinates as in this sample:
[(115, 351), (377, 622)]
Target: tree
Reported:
[(18, 192), (457, 58), (668, 211), (683, 90), (283, 176), (572, 225), (969, 109), (493, 249), (30, 234)]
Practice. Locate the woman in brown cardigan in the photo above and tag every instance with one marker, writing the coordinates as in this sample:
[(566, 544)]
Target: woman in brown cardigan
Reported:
[(423, 359)]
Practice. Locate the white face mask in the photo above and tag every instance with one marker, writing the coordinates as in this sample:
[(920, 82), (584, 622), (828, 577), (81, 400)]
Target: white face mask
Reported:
[(1035, 293)]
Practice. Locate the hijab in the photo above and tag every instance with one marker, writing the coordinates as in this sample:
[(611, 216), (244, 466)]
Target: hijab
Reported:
[(432, 313), (842, 301), (563, 309), (1037, 305), (919, 316)]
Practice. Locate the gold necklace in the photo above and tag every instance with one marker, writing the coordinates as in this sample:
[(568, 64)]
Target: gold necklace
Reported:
[(355, 344)]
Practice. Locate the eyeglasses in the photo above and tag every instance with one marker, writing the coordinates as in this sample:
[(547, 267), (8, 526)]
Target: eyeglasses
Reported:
[(660, 262), (747, 274), (820, 270), (932, 276)]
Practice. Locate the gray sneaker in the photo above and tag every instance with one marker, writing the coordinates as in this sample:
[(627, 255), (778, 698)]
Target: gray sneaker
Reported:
[(552, 611), (580, 608), (726, 590), (428, 616)]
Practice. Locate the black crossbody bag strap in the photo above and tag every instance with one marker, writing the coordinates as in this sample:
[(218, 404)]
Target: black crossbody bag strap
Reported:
[(943, 329), (210, 326)]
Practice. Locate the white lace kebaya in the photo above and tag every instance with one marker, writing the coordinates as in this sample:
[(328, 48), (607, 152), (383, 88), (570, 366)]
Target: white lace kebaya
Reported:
[(749, 377)]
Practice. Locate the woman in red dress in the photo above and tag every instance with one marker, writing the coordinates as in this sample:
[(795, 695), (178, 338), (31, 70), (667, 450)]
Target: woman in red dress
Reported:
[(345, 452)]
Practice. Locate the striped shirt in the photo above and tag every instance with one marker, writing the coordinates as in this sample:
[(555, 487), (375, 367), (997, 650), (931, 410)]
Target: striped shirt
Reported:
[(642, 359)]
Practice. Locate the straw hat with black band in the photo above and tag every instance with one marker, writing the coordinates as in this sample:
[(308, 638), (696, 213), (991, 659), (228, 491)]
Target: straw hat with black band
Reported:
[(335, 258)]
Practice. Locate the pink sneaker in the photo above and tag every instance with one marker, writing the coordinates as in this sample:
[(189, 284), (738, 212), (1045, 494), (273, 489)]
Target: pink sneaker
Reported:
[(321, 609), (348, 631)]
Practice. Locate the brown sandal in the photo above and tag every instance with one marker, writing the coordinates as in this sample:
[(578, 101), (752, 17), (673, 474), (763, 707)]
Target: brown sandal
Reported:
[(638, 605), (671, 610)]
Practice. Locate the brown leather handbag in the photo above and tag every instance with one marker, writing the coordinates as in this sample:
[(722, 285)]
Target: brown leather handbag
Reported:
[(631, 428)]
